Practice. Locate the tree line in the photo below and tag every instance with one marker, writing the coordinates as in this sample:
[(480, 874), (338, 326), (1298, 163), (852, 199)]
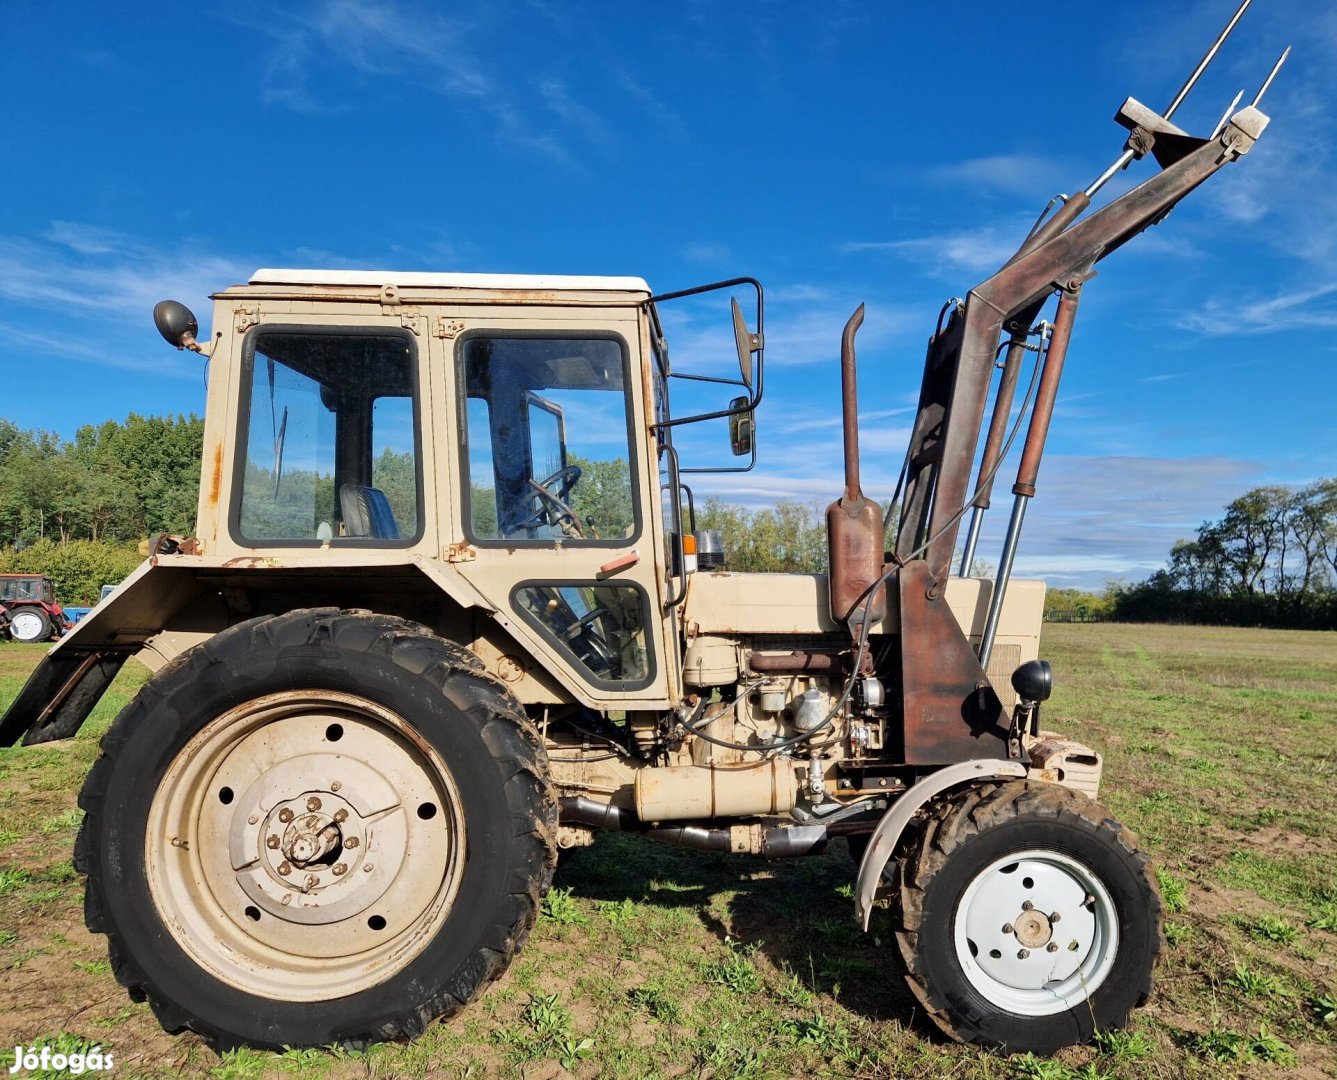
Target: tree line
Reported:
[(76, 509), (116, 481), (1270, 560)]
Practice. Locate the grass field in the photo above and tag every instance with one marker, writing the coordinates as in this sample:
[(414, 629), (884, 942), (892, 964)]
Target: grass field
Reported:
[(649, 961)]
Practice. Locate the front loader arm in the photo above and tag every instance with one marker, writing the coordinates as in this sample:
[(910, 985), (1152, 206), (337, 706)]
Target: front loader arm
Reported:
[(961, 357), (950, 711)]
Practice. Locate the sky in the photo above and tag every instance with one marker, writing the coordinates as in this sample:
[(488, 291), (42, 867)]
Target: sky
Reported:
[(893, 154)]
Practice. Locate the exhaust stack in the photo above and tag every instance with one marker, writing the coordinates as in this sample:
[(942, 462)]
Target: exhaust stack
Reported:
[(853, 523)]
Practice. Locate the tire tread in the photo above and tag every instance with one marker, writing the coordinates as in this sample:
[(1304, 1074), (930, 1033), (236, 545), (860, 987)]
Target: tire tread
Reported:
[(959, 818), (508, 733)]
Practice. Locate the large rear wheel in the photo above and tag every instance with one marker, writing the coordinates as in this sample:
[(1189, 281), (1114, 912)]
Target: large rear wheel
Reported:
[(1028, 919), (315, 828), (29, 624)]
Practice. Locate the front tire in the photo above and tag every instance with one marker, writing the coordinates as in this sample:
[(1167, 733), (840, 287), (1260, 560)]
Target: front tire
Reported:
[(316, 828), (1028, 920)]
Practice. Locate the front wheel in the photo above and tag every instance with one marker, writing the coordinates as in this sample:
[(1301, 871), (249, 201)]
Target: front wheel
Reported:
[(316, 828), (1028, 919)]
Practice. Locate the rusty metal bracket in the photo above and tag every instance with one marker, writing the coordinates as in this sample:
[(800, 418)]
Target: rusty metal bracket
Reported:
[(446, 329), (944, 719), (244, 318)]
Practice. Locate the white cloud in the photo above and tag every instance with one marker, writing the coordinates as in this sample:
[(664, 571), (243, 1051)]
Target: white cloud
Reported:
[(1313, 307), (451, 56), (977, 251), (1029, 175), (115, 275), (706, 251)]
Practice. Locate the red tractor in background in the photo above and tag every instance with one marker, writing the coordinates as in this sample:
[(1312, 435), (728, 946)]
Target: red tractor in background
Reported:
[(28, 608)]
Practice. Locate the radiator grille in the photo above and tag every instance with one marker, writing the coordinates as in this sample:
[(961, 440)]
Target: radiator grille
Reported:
[(1004, 660)]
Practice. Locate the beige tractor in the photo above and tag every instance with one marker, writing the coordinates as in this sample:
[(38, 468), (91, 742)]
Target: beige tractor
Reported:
[(446, 612)]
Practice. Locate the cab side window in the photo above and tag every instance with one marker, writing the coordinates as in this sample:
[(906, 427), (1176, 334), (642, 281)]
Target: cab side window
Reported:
[(548, 438)]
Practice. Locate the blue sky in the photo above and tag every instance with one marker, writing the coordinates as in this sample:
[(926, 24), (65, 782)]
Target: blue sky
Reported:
[(843, 152)]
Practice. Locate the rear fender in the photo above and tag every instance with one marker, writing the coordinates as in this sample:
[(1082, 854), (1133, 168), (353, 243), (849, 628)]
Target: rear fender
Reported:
[(74, 674)]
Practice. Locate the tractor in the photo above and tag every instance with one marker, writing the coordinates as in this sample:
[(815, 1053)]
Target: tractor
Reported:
[(28, 608), (447, 612)]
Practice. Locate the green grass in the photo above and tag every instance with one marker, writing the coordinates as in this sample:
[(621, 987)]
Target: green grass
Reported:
[(650, 961)]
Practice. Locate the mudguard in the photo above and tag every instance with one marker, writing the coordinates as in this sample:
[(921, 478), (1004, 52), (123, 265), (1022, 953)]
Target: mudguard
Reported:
[(888, 832), (72, 677)]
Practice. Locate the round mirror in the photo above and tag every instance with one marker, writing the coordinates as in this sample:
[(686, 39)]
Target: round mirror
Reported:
[(175, 322)]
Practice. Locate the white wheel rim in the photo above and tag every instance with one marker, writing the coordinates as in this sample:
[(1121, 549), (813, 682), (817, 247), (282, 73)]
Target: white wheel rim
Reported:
[(305, 846), (1036, 933), (26, 626)]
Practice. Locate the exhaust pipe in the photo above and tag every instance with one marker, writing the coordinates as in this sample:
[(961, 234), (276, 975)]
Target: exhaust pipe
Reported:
[(777, 842), (854, 531)]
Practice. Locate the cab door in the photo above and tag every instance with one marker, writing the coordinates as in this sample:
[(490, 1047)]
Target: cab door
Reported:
[(554, 498)]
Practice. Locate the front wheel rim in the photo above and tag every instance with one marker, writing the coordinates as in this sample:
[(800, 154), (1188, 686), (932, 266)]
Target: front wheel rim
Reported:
[(1036, 932), (305, 845)]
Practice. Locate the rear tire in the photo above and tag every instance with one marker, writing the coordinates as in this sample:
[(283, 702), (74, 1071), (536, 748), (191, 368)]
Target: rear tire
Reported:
[(316, 828), (29, 624), (975, 923)]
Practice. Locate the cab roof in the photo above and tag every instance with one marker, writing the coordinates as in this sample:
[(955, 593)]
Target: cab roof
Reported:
[(416, 279)]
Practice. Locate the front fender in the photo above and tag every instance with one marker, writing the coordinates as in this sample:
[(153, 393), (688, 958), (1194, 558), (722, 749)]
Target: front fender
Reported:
[(888, 832)]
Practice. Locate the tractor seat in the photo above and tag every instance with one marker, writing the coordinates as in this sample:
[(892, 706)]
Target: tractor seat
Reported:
[(366, 512)]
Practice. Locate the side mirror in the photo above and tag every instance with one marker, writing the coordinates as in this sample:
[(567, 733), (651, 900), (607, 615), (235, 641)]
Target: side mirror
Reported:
[(740, 428), (177, 324), (747, 343)]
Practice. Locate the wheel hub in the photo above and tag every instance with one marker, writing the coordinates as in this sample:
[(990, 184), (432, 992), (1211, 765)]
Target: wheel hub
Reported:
[(318, 855), (1033, 930)]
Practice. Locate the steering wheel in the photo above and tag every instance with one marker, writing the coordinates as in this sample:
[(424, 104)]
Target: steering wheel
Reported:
[(553, 507), (587, 639)]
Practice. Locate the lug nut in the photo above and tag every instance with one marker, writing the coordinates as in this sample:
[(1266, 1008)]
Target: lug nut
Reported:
[(284, 868), (312, 881), (1026, 905), (313, 803), (285, 815), (340, 870), (1007, 928), (367, 868), (335, 786), (1073, 946), (1054, 917), (272, 842), (1023, 954), (340, 816), (351, 842), (1051, 947)]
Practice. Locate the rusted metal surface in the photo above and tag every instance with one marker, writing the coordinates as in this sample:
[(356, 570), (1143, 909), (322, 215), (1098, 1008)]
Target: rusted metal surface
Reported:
[(950, 709), (216, 476), (1055, 355), (1002, 411), (797, 662), (1059, 256), (854, 523)]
